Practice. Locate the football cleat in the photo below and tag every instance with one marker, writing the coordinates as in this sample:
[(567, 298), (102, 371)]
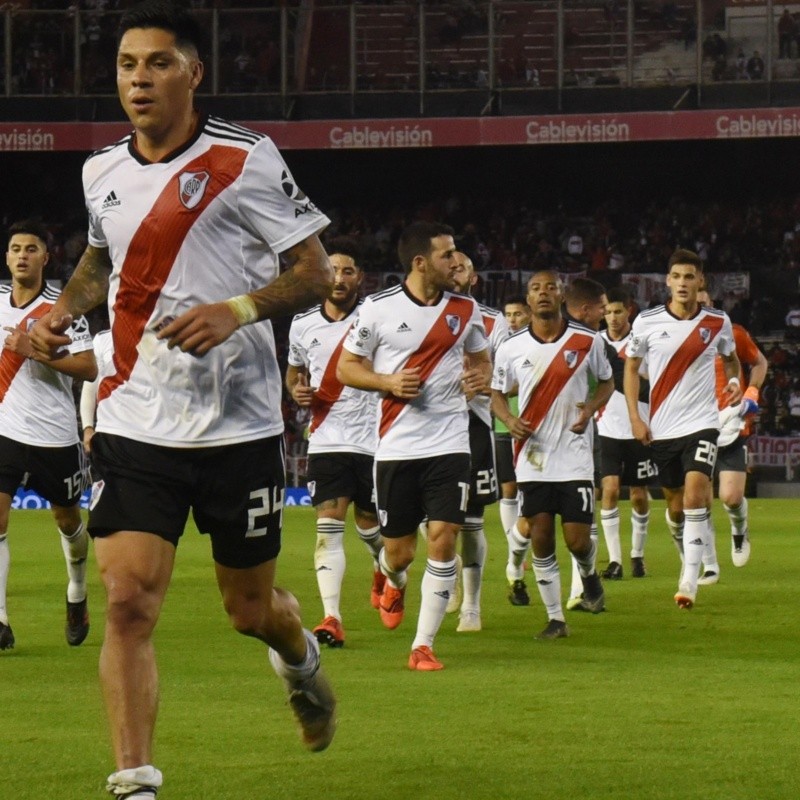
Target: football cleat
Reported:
[(77, 627), (613, 572), (378, 582), (518, 593), (392, 606), (555, 629), (6, 637), (637, 567), (422, 659), (740, 550), (685, 597), (314, 707), (468, 622), (576, 604), (708, 578), (454, 603), (594, 598), (330, 632), (138, 783)]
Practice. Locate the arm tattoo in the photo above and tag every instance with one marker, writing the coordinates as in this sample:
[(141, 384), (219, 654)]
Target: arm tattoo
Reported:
[(88, 286)]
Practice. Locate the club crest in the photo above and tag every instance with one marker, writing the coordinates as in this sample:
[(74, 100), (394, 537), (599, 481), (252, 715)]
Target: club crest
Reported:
[(705, 335), (453, 322), (192, 187), (571, 358)]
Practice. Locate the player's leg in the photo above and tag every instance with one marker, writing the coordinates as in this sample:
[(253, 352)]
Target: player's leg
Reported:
[(329, 567), (732, 482), (709, 573), (576, 507), (545, 566), (640, 519), (519, 543), (369, 531), (75, 545), (6, 634), (609, 521)]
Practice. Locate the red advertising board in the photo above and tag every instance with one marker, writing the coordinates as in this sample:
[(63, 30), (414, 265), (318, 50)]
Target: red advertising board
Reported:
[(379, 134)]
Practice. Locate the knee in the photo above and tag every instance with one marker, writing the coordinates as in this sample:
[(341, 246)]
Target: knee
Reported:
[(67, 519), (131, 607), (259, 616)]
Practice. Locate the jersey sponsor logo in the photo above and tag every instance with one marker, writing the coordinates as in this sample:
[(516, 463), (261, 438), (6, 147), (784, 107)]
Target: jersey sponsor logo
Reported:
[(110, 201), (192, 187), (453, 323), (363, 334), (403, 328), (290, 188)]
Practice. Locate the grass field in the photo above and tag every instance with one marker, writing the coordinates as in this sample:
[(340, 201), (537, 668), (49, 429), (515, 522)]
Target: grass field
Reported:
[(644, 701)]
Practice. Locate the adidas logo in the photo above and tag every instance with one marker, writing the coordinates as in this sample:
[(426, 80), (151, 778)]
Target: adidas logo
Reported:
[(526, 363), (110, 201), (314, 343), (403, 328), (445, 595), (664, 335), (696, 541)]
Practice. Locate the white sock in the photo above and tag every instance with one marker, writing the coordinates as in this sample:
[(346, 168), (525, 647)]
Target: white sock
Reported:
[(518, 547), (395, 578), (639, 523), (738, 517), (710, 562), (676, 531), (695, 530), (509, 513), (372, 541), (296, 673), (586, 564), (548, 581), (127, 781), (76, 549), (438, 582), (5, 564), (579, 567), (609, 520), (473, 558), (329, 563)]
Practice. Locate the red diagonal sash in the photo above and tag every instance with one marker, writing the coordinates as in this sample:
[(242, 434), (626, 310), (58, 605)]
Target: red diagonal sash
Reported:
[(439, 340), (10, 362), (682, 359), (552, 383), (330, 388), (153, 250)]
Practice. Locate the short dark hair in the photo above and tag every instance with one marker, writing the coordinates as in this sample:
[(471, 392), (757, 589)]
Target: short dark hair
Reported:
[(583, 290), (515, 300), (166, 15), (682, 256), (416, 240), (32, 228), (345, 246), (619, 295)]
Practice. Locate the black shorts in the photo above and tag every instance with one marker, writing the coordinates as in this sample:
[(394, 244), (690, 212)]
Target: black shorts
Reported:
[(59, 474), (408, 491), (334, 475), (235, 493), (628, 459), (504, 458), (572, 500), (694, 453), (483, 477), (733, 457)]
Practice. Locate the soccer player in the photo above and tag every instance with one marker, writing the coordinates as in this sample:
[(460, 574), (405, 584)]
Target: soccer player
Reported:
[(424, 349), (341, 443), (731, 466), (680, 340), (184, 212), (624, 461), (483, 478), (550, 362), (39, 443), (518, 315), (103, 347)]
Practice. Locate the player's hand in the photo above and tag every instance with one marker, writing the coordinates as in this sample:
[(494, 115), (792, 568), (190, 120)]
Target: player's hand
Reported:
[(302, 392), (405, 384), (47, 336), (733, 392), (641, 432), (18, 342), (518, 428), (200, 328), (473, 382), (88, 433), (749, 401)]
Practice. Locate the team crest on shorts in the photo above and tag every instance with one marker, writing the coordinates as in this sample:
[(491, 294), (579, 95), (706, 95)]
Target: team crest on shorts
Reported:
[(453, 322), (571, 357), (312, 488), (192, 187), (97, 490), (383, 517)]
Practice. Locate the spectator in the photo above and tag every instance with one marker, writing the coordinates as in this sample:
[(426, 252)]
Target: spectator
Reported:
[(755, 67), (741, 66), (787, 32)]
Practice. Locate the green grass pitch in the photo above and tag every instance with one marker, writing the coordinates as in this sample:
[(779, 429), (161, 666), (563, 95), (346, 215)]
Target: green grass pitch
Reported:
[(643, 702)]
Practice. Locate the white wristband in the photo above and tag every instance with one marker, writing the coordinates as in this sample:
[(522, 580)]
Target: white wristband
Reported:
[(243, 308), (735, 380)]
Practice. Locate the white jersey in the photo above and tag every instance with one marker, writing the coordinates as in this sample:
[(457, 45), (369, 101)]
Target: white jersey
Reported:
[(553, 379), (36, 402), (680, 357), (342, 418), (496, 327), (396, 331), (613, 420), (203, 225), (104, 356)]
